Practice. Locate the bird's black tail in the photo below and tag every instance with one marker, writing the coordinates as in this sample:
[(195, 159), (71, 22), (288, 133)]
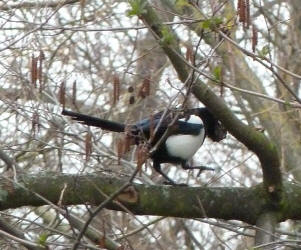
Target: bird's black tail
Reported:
[(95, 122)]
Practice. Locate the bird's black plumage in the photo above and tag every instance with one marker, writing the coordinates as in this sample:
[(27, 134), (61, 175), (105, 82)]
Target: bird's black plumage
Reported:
[(186, 131)]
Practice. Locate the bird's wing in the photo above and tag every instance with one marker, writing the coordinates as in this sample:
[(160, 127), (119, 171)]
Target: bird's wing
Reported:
[(179, 126), (186, 128), (95, 122)]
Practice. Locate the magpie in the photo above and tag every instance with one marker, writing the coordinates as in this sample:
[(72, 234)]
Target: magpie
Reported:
[(175, 135)]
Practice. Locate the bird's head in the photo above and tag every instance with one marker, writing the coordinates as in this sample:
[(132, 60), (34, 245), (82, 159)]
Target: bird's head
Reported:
[(214, 128)]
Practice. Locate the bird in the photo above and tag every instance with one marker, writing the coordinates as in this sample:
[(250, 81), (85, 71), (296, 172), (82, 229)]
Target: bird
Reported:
[(173, 135)]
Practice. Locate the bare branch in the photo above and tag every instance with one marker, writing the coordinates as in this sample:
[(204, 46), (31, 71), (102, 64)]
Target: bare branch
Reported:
[(36, 4)]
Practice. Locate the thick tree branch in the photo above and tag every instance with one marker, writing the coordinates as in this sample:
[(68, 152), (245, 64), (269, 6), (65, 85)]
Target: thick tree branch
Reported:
[(244, 204), (254, 140)]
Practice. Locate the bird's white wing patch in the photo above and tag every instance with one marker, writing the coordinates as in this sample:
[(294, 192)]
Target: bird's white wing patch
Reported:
[(193, 119)]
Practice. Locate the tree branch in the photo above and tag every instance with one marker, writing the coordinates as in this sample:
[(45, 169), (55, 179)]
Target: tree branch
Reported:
[(266, 225), (254, 140), (36, 4), (244, 204)]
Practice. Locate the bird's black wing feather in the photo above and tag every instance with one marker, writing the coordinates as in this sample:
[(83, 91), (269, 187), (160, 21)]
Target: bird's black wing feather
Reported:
[(95, 122), (179, 127)]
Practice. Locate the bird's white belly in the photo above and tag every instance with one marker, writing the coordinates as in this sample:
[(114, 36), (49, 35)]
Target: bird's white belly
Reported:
[(184, 146)]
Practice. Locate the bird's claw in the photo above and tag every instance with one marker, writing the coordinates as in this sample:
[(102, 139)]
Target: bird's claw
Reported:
[(203, 168)]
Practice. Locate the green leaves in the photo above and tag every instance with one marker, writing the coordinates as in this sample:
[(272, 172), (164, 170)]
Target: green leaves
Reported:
[(180, 4), (217, 73), (167, 36), (212, 23), (42, 239), (264, 51), (137, 8)]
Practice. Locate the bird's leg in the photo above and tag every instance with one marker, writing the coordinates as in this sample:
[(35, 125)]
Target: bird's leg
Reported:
[(157, 167), (186, 166), (169, 181)]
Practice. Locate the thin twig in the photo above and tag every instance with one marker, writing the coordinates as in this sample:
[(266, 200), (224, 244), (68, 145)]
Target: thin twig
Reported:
[(27, 243), (293, 104), (144, 226), (261, 60), (101, 206)]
